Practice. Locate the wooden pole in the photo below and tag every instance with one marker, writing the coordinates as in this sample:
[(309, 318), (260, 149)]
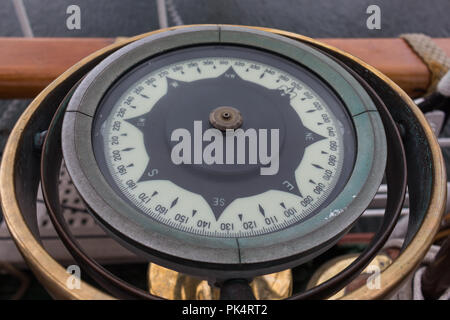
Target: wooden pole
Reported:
[(29, 65)]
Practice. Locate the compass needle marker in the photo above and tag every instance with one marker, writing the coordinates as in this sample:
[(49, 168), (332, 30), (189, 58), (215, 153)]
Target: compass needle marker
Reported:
[(174, 202), (261, 209)]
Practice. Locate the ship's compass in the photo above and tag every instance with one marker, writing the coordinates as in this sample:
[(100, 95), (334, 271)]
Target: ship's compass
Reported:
[(228, 152)]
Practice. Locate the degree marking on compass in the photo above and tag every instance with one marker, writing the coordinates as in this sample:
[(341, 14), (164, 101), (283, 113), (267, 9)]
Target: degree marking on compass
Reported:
[(324, 152), (194, 212), (240, 216), (312, 181), (283, 205), (130, 165), (127, 149), (144, 96), (316, 166)]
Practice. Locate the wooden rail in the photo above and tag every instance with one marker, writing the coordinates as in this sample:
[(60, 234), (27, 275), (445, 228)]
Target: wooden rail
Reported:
[(28, 65)]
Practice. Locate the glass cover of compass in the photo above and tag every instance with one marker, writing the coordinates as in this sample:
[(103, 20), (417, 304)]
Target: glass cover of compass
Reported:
[(223, 151)]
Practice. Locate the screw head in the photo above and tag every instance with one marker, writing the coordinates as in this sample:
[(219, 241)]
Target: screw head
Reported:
[(225, 117)]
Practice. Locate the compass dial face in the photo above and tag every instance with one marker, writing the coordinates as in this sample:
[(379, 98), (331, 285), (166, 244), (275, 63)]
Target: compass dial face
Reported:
[(287, 158)]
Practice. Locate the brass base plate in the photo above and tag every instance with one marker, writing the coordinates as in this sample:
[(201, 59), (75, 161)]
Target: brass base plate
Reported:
[(173, 285)]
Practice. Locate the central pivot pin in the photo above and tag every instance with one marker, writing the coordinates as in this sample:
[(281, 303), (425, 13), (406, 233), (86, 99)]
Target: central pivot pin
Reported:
[(224, 118)]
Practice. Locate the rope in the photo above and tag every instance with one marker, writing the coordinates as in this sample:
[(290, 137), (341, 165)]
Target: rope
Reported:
[(22, 16), (431, 54), (443, 87), (173, 12)]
